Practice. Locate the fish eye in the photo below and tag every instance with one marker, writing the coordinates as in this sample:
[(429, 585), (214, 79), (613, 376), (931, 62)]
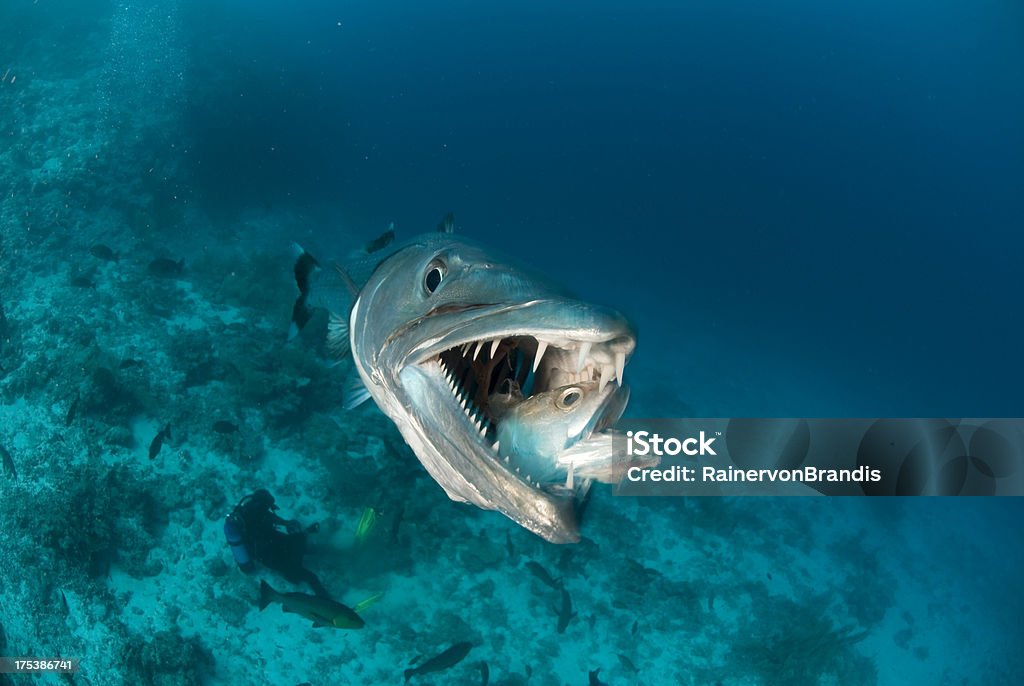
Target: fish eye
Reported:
[(434, 275), (569, 398)]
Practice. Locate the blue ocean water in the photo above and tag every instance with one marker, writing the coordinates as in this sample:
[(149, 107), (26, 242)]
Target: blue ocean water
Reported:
[(806, 209)]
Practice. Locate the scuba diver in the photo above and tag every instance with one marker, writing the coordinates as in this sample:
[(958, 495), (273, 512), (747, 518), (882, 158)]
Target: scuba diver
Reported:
[(253, 533)]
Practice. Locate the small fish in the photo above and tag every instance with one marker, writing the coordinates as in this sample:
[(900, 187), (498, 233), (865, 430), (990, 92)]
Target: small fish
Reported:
[(508, 545), (158, 441), (543, 575), (128, 363), (363, 604), (448, 658), (447, 224), (223, 427), (72, 410), (594, 681), (627, 663), (636, 627), (8, 463), (83, 282), (163, 266), (366, 523), (64, 602), (485, 674), (103, 252), (565, 614), (323, 611), (396, 522), (382, 241)]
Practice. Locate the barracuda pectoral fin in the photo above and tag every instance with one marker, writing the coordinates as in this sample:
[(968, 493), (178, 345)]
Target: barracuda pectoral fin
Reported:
[(355, 392)]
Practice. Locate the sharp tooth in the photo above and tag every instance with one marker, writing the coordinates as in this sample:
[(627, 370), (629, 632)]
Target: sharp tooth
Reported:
[(463, 403), (620, 364), (476, 351), (464, 348), (542, 347), (582, 359), (483, 431), (494, 346), (569, 479), (495, 446), (506, 459), (607, 374)]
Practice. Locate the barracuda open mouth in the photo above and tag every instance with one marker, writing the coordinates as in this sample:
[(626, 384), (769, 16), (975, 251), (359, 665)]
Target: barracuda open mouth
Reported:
[(488, 378), (502, 384)]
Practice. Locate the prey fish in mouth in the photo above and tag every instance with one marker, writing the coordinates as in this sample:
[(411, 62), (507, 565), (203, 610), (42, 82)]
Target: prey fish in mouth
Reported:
[(451, 341)]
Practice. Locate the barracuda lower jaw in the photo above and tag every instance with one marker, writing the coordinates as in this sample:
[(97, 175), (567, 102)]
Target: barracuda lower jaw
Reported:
[(475, 371)]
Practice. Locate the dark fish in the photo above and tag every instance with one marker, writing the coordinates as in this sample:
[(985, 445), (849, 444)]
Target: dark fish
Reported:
[(396, 522), (382, 241), (447, 224), (82, 282), (103, 252), (627, 663), (565, 614), (323, 611), (3, 322), (543, 575), (8, 461), (64, 602), (73, 410), (448, 658), (223, 427), (104, 380), (636, 627), (163, 266), (158, 441), (127, 364), (594, 681), (485, 674)]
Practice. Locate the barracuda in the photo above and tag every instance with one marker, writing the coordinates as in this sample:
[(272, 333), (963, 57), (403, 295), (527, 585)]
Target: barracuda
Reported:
[(436, 332)]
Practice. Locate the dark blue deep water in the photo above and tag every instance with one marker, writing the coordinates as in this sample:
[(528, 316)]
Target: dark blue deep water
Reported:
[(806, 209)]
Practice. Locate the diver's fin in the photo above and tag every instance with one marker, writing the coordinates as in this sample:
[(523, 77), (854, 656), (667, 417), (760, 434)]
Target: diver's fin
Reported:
[(363, 604), (337, 335), (355, 393), (266, 594)]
